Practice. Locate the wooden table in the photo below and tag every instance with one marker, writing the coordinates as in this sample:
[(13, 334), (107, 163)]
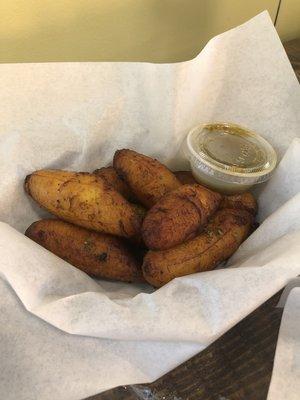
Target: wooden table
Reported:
[(293, 51), (237, 366)]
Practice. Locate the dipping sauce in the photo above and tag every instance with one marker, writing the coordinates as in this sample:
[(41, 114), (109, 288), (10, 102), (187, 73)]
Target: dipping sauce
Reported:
[(229, 158)]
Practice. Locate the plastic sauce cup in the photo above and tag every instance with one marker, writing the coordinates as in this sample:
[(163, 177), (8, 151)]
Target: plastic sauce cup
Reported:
[(229, 158)]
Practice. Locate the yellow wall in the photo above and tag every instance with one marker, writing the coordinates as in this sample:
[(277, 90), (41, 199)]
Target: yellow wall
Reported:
[(152, 30), (145, 30), (288, 21)]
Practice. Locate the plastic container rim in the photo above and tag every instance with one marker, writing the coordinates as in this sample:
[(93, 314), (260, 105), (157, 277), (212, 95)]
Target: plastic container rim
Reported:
[(207, 167)]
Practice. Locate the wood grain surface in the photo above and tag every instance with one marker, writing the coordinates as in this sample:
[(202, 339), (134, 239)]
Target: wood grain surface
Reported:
[(237, 366), (293, 51)]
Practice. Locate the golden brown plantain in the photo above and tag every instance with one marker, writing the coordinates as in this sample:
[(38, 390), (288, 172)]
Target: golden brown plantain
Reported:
[(179, 216), (220, 239), (109, 174), (98, 254), (85, 200), (148, 178), (243, 201), (185, 177), (140, 210)]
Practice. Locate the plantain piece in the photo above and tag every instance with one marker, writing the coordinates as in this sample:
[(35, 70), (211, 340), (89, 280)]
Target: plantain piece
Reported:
[(110, 176), (85, 200), (243, 201), (185, 177), (220, 239), (148, 179), (98, 254), (140, 210), (179, 216)]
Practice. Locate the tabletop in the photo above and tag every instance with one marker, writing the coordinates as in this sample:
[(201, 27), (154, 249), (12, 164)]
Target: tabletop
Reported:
[(237, 366)]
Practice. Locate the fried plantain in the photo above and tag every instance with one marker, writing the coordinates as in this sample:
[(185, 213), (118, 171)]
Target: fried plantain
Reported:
[(185, 177), (109, 174), (179, 216), (243, 201), (148, 179), (85, 200), (221, 238), (98, 254)]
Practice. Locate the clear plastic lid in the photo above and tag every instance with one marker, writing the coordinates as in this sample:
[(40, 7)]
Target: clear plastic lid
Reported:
[(231, 153)]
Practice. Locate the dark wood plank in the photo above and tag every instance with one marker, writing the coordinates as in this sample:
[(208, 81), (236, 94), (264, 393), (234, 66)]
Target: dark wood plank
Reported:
[(293, 51)]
